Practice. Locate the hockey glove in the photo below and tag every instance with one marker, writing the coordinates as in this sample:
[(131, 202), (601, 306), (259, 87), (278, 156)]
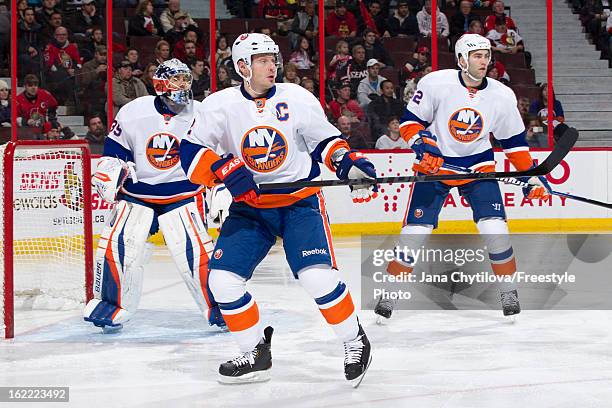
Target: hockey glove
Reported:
[(110, 176), (236, 177), (427, 152), (538, 187), (354, 165), (219, 201)]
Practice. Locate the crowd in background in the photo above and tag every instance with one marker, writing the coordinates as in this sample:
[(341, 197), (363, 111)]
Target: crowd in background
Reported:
[(376, 52)]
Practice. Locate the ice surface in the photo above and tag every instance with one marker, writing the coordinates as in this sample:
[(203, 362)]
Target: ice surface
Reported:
[(168, 356)]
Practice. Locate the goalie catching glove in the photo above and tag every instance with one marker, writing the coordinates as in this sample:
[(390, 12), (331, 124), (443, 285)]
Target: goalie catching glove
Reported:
[(110, 176), (427, 153), (351, 164)]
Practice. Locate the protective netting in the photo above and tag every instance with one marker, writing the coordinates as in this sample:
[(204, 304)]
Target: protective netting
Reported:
[(48, 243)]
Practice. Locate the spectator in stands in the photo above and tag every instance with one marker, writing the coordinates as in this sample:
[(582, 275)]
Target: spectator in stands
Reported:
[(189, 53), (126, 88), (47, 33), (29, 44), (5, 104), (379, 17), (344, 105), (498, 11), (539, 108), (460, 22), (44, 14), (144, 22), (608, 37), (93, 81), (178, 31), (93, 40), (147, 78), (62, 59), (355, 139), (340, 60), (22, 5), (88, 18), (534, 132), (369, 87), (497, 70), (341, 22), (302, 57), (168, 16), (290, 74), (200, 85), (305, 24), (384, 107), (275, 9), (504, 40), (374, 49), (476, 28), (402, 23), (137, 66), (224, 79), (5, 35), (309, 85), (356, 69), (424, 19), (96, 134), (223, 49), (391, 139), (35, 106), (162, 52), (55, 131), (414, 68), (179, 48)]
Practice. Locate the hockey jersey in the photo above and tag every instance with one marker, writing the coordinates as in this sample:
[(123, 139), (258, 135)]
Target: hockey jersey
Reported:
[(280, 137), (463, 119), (146, 133)]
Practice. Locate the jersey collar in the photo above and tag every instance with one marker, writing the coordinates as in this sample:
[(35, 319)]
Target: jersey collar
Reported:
[(163, 109), (268, 95), (480, 87)]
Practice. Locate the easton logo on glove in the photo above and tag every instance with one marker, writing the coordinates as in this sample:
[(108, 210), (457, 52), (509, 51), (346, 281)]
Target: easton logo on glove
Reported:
[(230, 166)]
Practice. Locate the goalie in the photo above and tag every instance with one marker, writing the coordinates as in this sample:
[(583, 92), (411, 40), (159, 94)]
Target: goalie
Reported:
[(141, 172)]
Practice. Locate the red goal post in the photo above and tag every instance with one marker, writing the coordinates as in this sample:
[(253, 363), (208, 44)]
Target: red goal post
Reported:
[(47, 249)]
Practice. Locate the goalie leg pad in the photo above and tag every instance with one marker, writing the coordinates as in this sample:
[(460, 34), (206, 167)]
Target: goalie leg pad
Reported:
[(188, 241), (121, 253)]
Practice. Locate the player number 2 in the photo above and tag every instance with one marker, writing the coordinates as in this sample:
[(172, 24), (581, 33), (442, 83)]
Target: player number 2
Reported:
[(417, 97)]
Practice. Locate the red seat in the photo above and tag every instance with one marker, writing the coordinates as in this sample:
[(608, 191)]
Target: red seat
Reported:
[(511, 60), (234, 25), (524, 76), (399, 44), (143, 43), (258, 23), (530, 92), (392, 74)]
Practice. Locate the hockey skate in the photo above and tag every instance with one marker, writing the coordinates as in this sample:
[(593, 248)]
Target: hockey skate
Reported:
[(357, 358), (510, 302), (250, 367), (383, 308)]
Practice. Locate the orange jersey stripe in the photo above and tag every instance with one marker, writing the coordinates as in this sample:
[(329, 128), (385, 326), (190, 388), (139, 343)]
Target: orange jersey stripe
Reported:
[(484, 169), (340, 311), (407, 131), (282, 200), (203, 262), (338, 144), (242, 321), (506, 268), (328, 234), (202, 174), (521, 160)]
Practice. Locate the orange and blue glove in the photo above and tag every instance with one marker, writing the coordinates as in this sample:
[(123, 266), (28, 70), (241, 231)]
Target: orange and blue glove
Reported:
[(427, 153), (236, 177)]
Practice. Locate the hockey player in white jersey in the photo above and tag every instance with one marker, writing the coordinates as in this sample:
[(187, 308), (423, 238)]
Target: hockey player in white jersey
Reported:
[(262, 132), (448, 120), (140, 170)]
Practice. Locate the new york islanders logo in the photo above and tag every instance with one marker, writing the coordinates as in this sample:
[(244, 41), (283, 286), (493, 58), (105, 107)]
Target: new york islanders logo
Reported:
[(163, 150), (264, 149), (465, 125)]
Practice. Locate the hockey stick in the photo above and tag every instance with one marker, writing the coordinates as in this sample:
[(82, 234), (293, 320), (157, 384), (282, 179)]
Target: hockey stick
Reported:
[(561, 149), (519, 183)]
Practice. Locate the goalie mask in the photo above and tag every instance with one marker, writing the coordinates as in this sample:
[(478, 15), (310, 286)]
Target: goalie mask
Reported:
[(172, 79)]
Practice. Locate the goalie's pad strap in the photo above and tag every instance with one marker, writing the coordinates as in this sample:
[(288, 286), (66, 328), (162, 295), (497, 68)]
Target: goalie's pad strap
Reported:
[(188, 241)]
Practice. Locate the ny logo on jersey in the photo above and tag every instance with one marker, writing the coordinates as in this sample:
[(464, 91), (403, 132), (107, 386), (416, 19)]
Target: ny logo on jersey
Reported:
[(264, 149), (163, 151), (465, 125)]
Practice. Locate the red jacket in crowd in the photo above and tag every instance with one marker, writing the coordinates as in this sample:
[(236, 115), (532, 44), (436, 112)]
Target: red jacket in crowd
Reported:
[(66, 56), (36, 108), (340, 26), (490, 23), (279, 8)]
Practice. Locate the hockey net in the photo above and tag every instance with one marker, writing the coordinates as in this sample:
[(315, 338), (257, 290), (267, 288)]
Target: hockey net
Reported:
[(45, 228)]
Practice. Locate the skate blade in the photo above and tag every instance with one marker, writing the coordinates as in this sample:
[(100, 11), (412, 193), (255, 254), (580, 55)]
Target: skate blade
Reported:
[(250, 378), (357, 381), (112, 329)]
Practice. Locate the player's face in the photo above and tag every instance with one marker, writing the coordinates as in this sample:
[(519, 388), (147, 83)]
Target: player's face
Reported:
[(264, 71), (180, 82), (479, 60)]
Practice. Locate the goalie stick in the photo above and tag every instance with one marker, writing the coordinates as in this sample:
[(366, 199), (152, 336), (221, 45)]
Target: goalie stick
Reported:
[(519, 183), (561, 149)]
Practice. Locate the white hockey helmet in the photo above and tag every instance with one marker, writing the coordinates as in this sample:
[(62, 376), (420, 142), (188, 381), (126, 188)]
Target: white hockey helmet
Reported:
[(173, 79), (468, 43), (249, 44)]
